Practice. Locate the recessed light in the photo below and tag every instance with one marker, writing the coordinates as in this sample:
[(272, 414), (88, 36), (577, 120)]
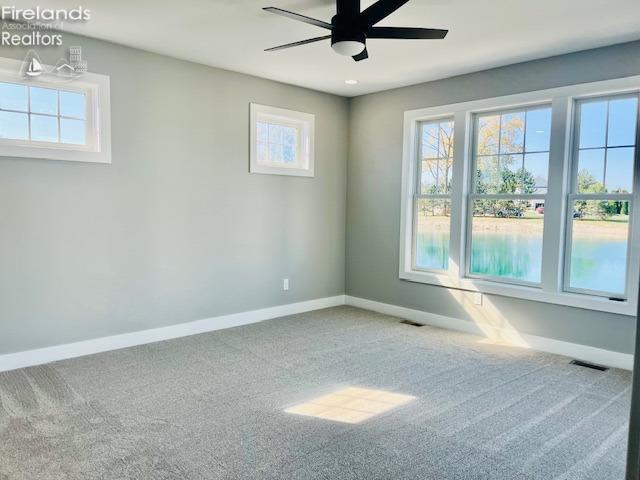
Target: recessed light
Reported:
[(351, 82)]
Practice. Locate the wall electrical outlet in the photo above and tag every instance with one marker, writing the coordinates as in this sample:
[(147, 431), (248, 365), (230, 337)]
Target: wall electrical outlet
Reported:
[(285, 284), (477, 298)]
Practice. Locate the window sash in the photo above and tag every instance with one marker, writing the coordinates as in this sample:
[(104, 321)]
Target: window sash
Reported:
[(469, 239), (473, 194), (91, 121), (569, 244), (418, 195), (574, 195)]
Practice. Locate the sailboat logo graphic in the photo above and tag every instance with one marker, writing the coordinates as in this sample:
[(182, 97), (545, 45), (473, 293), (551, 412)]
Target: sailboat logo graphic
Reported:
[(34, 68), (63, 70)]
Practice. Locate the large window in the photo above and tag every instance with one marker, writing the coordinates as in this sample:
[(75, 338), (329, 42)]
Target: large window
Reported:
[(511, 163), (433, 195), (601, 196), (538, 199)]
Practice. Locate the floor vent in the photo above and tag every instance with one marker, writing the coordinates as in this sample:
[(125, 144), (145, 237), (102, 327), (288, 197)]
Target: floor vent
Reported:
[(413, 324), (589, 365)]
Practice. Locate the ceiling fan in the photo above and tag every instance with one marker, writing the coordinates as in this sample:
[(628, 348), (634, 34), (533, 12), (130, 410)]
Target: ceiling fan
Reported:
[(350, 28)]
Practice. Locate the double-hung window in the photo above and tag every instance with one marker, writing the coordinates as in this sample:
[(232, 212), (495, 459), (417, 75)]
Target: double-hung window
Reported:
[(509, 186), (601, 198), (432, 201), (533, 196)]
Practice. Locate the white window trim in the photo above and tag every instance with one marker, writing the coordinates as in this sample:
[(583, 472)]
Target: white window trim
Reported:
[(303, 122), (437, 196), (551, 288), (97, 117)]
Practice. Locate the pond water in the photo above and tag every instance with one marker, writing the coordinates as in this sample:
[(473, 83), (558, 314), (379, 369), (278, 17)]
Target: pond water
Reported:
[(596, 263)]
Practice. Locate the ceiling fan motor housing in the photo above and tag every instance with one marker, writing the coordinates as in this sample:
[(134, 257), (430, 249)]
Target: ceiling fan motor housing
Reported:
[(345, 29)]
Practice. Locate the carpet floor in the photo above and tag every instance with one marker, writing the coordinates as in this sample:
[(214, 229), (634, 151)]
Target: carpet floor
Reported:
[(213, 406)]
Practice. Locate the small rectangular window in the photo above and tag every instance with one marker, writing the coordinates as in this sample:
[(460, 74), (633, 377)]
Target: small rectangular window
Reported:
[(511, 164), (601, 197), (38, 114), (432, 202), (51, 117), (281, 141)]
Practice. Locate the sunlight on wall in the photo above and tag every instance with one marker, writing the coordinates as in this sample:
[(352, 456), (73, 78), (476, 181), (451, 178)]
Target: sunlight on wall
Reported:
[(493, 325), (351, 405), (488, 318)]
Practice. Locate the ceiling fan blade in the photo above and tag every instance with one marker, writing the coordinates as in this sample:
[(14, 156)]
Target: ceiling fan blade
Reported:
[(380, 10), (300, 18), (295, 44), (348, 7), (361, 56), (407, 33)]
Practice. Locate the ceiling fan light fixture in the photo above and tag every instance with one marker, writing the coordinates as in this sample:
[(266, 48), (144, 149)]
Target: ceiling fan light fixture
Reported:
[(348, 48), (351, 27)]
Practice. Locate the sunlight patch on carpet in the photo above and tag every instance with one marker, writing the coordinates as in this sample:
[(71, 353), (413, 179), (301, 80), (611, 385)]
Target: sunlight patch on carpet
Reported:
[(351, 405)]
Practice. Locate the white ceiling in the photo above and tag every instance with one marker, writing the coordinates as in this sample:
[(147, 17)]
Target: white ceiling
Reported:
[(232, 34)]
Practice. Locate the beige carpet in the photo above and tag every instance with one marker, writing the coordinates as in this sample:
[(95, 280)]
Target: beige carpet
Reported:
[(213, 406)]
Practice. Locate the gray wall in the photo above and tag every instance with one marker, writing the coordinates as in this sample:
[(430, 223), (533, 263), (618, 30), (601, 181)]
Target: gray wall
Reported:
[(175, 229), (373, 194)]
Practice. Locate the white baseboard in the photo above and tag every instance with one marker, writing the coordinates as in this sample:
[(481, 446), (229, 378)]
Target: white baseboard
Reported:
[(544, 344), (40, 356)]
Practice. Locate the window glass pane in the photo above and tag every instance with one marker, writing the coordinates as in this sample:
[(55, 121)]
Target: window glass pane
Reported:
[(275, 153), (623, 114), (538, 130), (429, 177), (262, 130), (72, 104), (436, 176), (263, 153), (536, 172), (430, 140), (511, 174), (288, 154), (590, 171), (433, 220), (506, 239), (14, 125), (289, 136), (488, 133), (44, 128), (619, 174), (276, 143), (593, 124), (512, 133), (14, 97), (445, 167), (44, 100), (446, 140), (599, 246), (275, 134), (488, 178), (72, 131)]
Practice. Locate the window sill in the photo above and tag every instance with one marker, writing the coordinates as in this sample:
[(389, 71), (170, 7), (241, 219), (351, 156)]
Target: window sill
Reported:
[(522, 292), (71, 154)]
